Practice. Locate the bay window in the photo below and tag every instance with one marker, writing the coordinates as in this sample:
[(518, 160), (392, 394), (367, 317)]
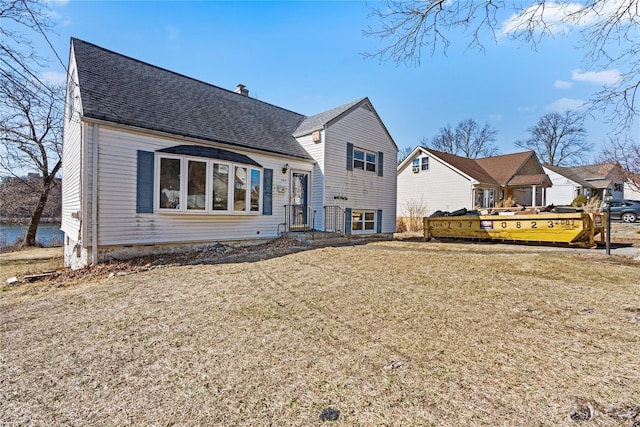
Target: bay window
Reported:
[(186, 184), (220, 187), (240, 189), (169, 183)]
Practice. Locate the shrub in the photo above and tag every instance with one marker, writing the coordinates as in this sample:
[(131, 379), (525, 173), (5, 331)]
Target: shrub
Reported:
[(401, 226), (509, 202), (579, 201), (414, 211)]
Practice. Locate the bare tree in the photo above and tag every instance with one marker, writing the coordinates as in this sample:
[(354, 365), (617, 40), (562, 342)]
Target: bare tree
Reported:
[(558, 139), (608, 33), (19, 198), (30, 110), (31, 135), (403, 153), (444, 141), (467, 140), (625, 152), (20, 19)]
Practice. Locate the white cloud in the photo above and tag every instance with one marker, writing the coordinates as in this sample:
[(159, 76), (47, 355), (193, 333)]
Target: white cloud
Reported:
[(560, 18), (564, 104), (561, 84), (54, 77), (608, 77), (554, 15)]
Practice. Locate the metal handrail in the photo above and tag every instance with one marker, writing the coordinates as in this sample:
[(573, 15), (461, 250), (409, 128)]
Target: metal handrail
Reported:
[(334, 219), (299, 217)]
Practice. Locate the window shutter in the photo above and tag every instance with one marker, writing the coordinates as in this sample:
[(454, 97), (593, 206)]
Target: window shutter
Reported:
[(144, 183), (380, 161), (379, 221), (349, 156), (347, 221), (267, 193)]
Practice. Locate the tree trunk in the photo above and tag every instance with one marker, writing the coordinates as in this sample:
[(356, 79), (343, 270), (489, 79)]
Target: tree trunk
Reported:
[(30, 236)]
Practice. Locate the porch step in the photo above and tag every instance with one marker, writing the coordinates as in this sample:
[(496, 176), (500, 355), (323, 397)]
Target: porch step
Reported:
[(318, 238)]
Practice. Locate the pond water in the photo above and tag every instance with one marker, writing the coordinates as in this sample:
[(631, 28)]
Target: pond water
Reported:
[(47, 235)]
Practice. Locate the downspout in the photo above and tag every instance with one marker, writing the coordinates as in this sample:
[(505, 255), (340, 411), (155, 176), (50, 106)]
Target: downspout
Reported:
[(94, 195)]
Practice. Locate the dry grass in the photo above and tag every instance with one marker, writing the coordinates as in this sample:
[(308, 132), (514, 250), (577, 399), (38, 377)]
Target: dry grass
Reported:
[(391, 333), (33, 260)]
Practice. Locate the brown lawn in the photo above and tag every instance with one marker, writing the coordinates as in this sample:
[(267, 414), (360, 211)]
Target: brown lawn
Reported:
[(391, 333)]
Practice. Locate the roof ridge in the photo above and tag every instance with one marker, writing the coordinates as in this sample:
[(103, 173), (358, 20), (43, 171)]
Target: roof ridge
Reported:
[(157, 67)]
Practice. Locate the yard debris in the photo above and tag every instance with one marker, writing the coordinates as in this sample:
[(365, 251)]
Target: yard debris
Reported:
[(583, 410), (208, 255), (12, 280), (329, 414), (586, 410), (35, 277), (395, 364), (629, 412)]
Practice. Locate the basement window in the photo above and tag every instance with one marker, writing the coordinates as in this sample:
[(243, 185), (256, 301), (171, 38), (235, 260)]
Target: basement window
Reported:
[(363, 221)]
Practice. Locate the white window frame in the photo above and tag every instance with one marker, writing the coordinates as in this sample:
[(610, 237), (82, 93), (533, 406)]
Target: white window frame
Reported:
[(366, 163), (364, 221), (182, 208), (424, 163), (415, 165)]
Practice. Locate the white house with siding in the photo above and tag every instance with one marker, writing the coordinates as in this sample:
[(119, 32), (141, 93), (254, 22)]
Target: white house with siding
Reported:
[(155, 161), (589, 180), (437, 181)]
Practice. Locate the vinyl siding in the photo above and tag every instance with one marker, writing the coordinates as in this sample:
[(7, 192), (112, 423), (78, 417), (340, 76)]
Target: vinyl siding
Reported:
[(72, 165), (438, 188), (364, 190), (119, 224), (316, 151), (563, 190)]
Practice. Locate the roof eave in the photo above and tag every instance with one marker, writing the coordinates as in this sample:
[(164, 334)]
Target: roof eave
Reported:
[(190, 138)]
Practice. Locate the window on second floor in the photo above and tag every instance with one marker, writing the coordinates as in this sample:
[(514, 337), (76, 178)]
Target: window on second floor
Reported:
[(420, 164), (364, 160), (424, 163)]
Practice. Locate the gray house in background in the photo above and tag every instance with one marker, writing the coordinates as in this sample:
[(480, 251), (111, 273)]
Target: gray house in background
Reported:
[(155, 161), (590, 180)]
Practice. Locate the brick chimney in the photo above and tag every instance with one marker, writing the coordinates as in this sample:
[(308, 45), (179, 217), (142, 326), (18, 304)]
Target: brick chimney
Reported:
[(242, 90)]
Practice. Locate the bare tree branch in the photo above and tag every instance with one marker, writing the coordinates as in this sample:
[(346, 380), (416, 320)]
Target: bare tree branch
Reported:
[(467, 140), (626, 152), (608, 29), (558, 139), (31, 136)]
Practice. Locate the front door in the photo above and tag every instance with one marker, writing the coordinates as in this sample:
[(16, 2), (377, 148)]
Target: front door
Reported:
[(299, 200)]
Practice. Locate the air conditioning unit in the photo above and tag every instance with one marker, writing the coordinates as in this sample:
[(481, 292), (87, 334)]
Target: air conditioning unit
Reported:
[(416, 169)]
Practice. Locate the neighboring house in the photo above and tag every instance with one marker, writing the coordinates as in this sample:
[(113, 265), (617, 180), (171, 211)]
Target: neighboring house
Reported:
[(590, 180), (445, 182), (156, 161)]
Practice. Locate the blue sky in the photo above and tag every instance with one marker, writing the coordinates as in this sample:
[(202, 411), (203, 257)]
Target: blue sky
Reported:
[(308, 57)]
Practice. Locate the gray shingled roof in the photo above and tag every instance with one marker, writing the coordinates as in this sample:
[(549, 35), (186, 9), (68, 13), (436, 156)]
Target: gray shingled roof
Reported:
[(317, 121), (126, 91)]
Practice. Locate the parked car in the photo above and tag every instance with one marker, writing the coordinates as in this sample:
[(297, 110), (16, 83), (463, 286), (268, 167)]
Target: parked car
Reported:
[(625, 210)]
